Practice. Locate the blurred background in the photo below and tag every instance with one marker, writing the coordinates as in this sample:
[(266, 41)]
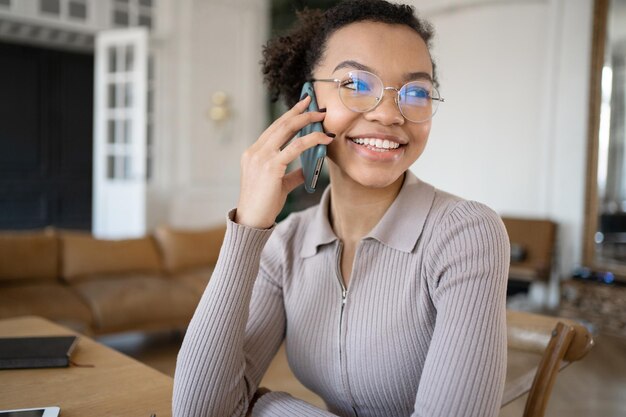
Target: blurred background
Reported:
[(119, 116)]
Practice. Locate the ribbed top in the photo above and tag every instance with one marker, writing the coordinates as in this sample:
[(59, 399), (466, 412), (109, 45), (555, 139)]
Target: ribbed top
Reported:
[(421, 330)]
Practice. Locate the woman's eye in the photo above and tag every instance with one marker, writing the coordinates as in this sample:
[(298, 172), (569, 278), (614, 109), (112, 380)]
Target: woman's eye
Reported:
[(356, 85), (418, 92)]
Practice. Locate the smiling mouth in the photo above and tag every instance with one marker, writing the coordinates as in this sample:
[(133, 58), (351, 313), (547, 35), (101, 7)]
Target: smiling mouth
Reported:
[(377, 145)]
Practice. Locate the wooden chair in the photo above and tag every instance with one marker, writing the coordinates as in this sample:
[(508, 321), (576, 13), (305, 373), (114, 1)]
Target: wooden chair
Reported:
[(559, 341)]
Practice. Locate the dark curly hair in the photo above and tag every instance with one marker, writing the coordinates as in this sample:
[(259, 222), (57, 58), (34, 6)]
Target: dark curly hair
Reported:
[(289, 60)]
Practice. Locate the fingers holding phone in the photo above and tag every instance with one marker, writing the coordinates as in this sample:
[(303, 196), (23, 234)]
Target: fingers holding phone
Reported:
[(283, 129), (264, 180), (304, 145)]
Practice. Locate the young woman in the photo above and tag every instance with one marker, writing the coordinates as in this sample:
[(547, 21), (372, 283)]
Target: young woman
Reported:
[(390, 294)]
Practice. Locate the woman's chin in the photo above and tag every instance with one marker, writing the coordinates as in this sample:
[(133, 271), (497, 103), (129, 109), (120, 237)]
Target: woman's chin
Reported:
[(365, 175), (375, 179)]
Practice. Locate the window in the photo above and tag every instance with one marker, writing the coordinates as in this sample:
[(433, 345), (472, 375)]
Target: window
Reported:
[(78, 9), (64, 9), (5, 3), (120, 102), (127, 13), (50, 6), (145, 20), (121, 18)]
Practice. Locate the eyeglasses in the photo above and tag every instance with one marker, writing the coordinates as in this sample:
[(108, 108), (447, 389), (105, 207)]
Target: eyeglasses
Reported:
[(362, 91)]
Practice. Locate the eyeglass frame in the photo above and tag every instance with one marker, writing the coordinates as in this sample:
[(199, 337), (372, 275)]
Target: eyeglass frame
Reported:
[(380, 99)]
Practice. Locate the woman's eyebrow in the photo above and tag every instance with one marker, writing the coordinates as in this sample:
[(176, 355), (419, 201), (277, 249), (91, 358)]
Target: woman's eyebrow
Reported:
[(410, 76), (420, 75), (353, 64)]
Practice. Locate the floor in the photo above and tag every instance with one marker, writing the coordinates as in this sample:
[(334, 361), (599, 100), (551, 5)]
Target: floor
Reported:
[(596, 386)]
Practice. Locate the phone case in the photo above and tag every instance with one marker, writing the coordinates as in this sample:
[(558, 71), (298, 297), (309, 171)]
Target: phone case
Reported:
[(312, 159)]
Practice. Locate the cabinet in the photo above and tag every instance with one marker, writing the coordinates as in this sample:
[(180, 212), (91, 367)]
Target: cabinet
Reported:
[(602, 305)]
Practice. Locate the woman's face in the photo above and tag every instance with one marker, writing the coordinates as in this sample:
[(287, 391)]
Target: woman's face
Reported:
[(391, 52)]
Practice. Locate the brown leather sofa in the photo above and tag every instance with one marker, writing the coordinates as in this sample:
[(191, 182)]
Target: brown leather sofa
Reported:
[(107, 286), (535, 241)]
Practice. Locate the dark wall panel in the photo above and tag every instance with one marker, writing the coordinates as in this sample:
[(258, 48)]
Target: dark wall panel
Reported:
[(46, 108), (20, 139)]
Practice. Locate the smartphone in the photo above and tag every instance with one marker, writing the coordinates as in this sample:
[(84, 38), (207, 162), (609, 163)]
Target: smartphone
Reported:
[(32, 412), (313, 158)]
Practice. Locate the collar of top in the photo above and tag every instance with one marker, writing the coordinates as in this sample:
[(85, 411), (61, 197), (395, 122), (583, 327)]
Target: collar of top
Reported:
[(399, 228)]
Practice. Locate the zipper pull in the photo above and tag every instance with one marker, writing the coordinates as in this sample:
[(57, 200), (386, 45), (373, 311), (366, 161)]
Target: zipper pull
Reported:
[(344, 293)]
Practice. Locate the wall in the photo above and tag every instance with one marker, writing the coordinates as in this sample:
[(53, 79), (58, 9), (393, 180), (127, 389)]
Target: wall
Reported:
[(513, 132), (206, 46)]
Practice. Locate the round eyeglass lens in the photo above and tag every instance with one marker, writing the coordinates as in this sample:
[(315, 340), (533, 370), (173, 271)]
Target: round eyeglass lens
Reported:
[(360, 91), (418, 100)]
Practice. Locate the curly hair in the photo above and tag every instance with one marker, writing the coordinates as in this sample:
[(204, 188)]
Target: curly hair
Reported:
[(289, 60)]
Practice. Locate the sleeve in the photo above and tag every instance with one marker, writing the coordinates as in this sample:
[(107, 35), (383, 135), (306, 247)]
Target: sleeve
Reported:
[(465, 368), (224, 355)]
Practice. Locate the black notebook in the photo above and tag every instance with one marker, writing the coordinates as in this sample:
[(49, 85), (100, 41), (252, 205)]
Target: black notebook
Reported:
[(36, 352)]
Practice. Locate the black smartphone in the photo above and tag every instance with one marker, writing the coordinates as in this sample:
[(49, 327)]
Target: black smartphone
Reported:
[(313, 158)]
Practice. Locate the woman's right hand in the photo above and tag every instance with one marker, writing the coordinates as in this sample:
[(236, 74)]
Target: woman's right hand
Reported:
[(265, 182)]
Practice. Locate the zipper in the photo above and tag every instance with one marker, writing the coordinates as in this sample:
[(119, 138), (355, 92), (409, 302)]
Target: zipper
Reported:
[(344, 295), (344, 291)]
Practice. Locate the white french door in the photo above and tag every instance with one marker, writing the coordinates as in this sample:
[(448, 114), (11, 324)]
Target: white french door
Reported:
[(120, 145)]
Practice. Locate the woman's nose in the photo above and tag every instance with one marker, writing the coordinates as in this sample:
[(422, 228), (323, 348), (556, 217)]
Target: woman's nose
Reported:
[(387, 112)]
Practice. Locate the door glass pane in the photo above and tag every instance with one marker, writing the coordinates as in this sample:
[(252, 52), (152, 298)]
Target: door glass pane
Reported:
[(112, 95), (150, 100), (127, 166), (78, 9), (112, 59), (128, 95), (145, 20), (110, 166), (111, 131), (147, 3), (50, 6), (149, 167), (128, 134), (151, 68), (149, 133), (130, 53)]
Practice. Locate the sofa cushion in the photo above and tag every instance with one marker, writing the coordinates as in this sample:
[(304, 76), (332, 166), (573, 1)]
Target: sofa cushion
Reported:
[(186, 249), (84, 256), (29, 255), (134, 301), (56, 302)]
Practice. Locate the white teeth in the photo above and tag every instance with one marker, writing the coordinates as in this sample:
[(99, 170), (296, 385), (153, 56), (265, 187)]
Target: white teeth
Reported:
[(377, 143)]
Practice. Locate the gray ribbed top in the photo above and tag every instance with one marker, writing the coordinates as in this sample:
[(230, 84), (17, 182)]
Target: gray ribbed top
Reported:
[(422, 331)]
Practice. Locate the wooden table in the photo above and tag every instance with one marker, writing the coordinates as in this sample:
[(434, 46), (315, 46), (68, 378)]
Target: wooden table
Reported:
[(116, 386)]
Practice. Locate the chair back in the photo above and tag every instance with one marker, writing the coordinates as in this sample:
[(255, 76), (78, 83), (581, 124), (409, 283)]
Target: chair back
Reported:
[(559, 341)]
